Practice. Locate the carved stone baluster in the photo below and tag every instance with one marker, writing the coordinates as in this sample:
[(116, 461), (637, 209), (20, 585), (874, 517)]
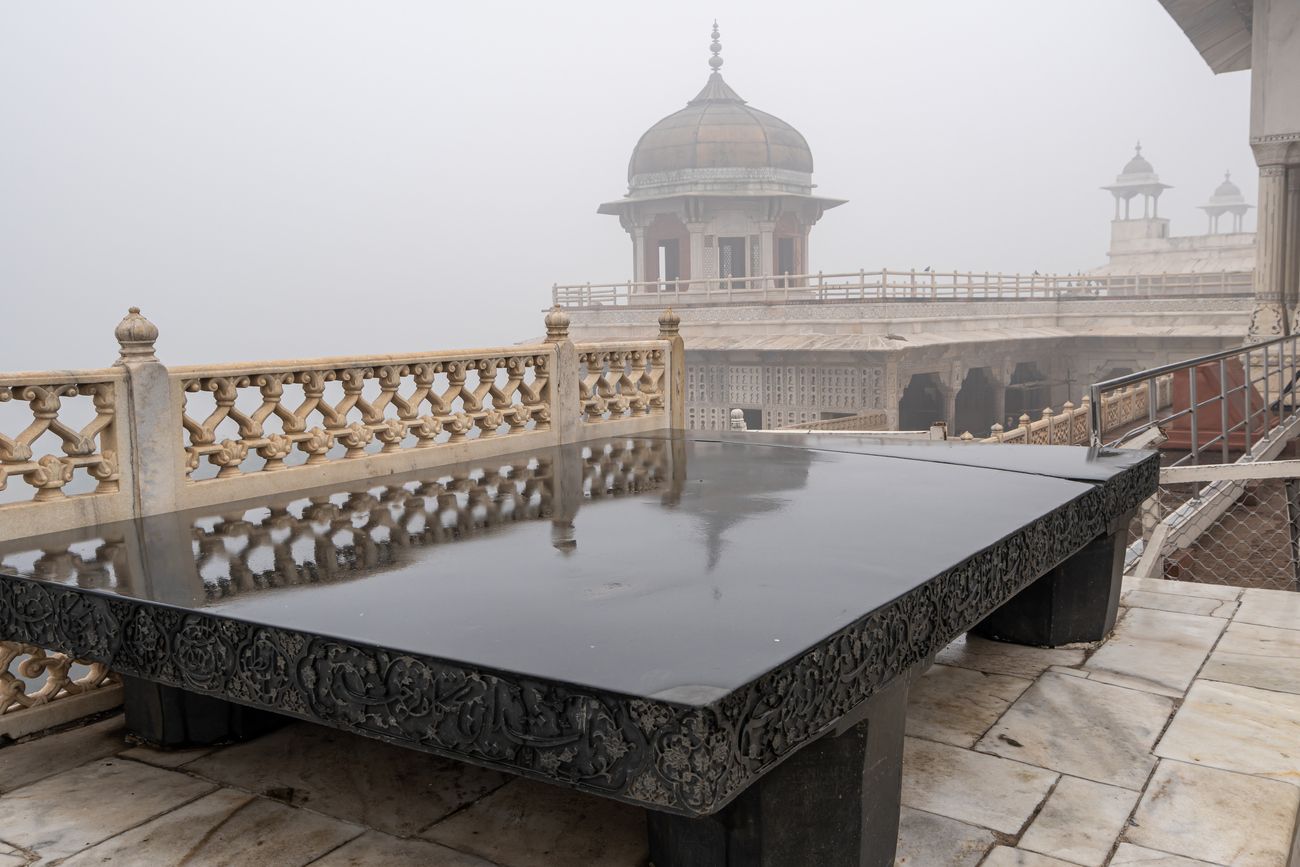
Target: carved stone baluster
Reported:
[(459, 422)]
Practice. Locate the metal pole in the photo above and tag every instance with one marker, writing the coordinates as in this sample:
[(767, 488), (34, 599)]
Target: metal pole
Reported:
[(1223, 406), (1293, 524), (1245, 398), (1267, 398), (1094, 415), (1191, 391)]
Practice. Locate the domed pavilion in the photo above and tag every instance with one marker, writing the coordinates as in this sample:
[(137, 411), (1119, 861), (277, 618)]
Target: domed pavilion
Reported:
[(719, 191), (1227, 199), (1138, 178)]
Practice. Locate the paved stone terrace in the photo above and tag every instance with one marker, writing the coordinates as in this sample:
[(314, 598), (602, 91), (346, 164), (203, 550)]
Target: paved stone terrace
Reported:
[(1176, 743)]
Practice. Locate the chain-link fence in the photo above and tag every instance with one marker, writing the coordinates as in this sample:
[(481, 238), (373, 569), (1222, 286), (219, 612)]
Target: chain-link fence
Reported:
[(1241, 533)]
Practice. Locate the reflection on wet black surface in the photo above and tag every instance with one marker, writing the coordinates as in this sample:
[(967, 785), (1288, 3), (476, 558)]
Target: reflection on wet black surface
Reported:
[(637, 566)]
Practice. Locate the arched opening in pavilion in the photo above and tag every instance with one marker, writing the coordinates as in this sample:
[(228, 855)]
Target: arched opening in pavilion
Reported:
[(922, 402), (976, 406)]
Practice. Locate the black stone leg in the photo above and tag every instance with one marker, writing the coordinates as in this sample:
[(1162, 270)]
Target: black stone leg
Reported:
[(164, 716), (1076, 601), (833, 803)]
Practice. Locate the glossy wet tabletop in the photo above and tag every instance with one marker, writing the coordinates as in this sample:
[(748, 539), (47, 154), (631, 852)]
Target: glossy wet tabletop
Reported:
[(666, 567)]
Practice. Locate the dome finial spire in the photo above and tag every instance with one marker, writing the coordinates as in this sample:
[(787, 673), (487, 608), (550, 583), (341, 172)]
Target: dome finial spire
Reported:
[(1138, 148), (715, 62)]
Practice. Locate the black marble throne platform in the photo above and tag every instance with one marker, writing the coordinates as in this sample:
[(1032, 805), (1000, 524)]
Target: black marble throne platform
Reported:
[(719, 629)]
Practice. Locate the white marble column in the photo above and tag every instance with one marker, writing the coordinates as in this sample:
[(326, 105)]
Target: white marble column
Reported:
[(696, 231), (766, 251), (1268, 319), (1291, 256), (638, 254)]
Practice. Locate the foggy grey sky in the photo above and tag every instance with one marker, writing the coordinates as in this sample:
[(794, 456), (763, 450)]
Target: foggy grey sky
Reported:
[(281, 179)]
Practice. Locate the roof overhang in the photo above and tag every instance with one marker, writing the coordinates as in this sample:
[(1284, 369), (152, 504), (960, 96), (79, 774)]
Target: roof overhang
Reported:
[(1218, 29)]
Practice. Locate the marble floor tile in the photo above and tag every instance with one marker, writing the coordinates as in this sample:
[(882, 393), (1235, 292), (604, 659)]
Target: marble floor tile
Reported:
[(1218, 816), (530, 824), (1202, 605), (226, 827), (1083, 728), (1181, 588), (165, 758), (1080, 821), (65, 813), (1005, 856), (376, 849), (927, 840), (13, 858), (972, 787), (1128, 854), (1237, 728), (1279, 608), (26, 762), (999, 657), (1260, 656), (1157, 651), (957, 705), (388, 788)]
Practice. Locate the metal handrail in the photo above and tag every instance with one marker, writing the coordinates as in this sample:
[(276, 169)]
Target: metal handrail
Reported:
[(1270, 364)]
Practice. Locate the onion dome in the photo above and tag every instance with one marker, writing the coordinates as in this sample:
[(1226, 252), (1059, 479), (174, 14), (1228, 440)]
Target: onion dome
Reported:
[(719, 136)]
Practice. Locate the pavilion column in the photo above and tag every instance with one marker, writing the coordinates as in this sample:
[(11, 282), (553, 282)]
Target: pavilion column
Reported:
[(893, 392), (766, 251), (1291, 284), (638, 254), (950, 409), (999, 376), (1269, 317), (696, 231)]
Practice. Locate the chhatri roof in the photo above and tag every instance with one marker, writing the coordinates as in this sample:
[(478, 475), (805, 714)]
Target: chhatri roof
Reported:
[(719, 130), (1227, 198), (1137, 176)]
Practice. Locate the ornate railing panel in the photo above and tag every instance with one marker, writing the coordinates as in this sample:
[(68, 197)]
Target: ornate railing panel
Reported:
[(621, 380), (359, 405), (1072, 425), (22, 665), (51, 450)]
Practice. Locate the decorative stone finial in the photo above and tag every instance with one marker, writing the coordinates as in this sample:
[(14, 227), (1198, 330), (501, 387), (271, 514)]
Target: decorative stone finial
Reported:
[(557, 325), (136, 336), (738, 420), (715, 62), (1138, 148), (669, 323)]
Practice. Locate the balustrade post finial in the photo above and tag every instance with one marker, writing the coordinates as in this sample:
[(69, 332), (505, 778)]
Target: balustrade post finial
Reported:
[(669, 323), (557, 325), (135, 337), (738, 420)]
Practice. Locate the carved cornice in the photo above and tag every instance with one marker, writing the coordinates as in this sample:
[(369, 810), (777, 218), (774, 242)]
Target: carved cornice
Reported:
[(684, 759)]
